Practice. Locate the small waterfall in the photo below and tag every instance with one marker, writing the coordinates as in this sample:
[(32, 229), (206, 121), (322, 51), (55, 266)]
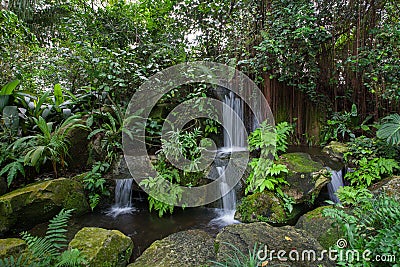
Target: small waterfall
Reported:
[(336, 182), (229, 197), (226, 215), (123, 198), (234, 108)]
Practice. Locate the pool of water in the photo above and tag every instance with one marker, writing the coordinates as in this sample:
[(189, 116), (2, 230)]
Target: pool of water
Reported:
[(145, 227)]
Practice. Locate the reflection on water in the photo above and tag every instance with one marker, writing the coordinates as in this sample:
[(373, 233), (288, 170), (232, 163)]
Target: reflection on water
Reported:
[(144, 227)]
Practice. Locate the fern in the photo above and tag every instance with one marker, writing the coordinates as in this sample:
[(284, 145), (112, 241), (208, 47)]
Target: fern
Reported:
[(15, 262), (45, 251), (71, 258), (56, 229), (12, 170)]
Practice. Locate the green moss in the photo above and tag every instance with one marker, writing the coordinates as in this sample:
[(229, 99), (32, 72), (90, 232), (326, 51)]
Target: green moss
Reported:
[(263, 206), (39, 202), (11, 247), (216, 247), (103, 247), (300, 163)]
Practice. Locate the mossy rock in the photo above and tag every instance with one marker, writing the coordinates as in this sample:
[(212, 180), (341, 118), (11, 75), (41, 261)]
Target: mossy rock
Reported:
[(186, 248), (103, 247), (320, 227), (266, 238), (335, 150), (299, 162), (306, 177), (11, 247), (266, 207), (39, 202)]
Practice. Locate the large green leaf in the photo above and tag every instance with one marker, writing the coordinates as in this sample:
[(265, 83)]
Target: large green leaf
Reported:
[(9, 87), (390, 129)]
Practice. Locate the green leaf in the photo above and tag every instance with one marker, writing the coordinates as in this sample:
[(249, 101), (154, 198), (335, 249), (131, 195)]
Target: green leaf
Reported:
[(9, 87), (58, 95)]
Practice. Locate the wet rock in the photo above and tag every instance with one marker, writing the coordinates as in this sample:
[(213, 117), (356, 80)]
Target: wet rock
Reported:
[(320, 227), (265, 238), (187, 248), (103, 247), (39, 202), (335, 150)]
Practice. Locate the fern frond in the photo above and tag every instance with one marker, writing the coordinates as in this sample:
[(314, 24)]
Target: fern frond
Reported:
[(56, 229), (71, 258), (39, 248)]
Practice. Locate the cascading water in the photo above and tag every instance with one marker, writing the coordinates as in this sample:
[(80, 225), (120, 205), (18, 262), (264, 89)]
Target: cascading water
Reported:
[(123, 198), (336, 182), (228, 196), (234, 141), (232, 109)]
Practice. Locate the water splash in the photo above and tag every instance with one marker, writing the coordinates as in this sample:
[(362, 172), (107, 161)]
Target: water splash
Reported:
[(123, 198)]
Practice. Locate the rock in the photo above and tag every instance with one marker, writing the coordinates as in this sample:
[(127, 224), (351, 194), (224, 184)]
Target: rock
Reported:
[(265, 207), (265, 238), (306, 177), (11, 247), (103, 247), (39, 202), (320, 227), (335, 150), (390, 186), (3, 186), (187, 248)]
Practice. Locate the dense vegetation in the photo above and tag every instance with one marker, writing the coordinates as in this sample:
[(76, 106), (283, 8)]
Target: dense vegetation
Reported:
[(69, 66)]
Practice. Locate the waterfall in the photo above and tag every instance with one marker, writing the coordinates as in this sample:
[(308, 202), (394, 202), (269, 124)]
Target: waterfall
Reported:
[(233, 108), (228, 197), (123, 198), (335, 183)]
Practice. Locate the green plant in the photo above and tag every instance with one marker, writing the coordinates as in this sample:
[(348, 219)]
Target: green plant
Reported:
[(237, 258), (47, 251), (265, 174), (390, 129), (6, 91), (283, 132), (373, 225), (94, 183), (350, 196), (368, 171), (369, 148), (50, 144)]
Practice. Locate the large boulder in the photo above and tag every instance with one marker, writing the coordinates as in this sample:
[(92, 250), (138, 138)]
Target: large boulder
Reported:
[(39, 202), (103, 247), (336, 150), (265, 238), (306, 177), (320, 227), (389, 186), (11, 247), (265, 207), (187, 248), (305, 180)]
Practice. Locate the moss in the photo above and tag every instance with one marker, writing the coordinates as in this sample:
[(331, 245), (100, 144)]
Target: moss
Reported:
[(263, 206), (103, 247), (300, 163), (11, 247), (216, 247), (39, 202)]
